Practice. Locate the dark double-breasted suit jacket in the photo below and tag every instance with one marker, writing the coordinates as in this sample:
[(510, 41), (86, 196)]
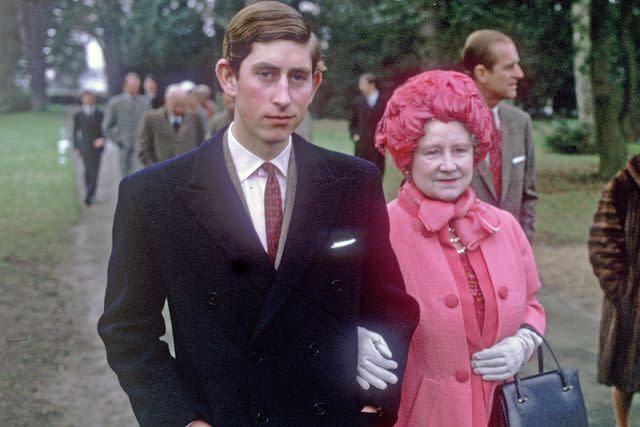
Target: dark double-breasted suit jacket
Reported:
[(253, 345)]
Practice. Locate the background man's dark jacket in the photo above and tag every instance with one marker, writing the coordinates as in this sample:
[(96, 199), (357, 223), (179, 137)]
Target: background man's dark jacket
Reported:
[(364, 121)]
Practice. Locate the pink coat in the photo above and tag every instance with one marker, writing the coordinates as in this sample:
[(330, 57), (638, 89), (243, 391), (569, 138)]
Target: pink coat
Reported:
[(436, 389)]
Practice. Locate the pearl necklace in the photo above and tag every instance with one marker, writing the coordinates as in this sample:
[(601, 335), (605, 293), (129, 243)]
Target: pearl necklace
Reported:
[(455, 242)]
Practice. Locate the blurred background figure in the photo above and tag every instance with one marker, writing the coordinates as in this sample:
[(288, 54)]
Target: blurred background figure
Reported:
[(366, 113), (614, 252), (150, 88), (89, 142), (170, 130), (203, 95), (121, 121), (193, 104), (223, 117)]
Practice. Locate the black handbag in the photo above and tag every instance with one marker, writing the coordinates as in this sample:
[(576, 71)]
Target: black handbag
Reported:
[(548, 399)]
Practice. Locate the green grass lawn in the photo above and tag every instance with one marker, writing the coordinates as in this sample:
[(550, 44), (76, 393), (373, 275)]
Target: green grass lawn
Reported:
[(568, 188), (38, 201)]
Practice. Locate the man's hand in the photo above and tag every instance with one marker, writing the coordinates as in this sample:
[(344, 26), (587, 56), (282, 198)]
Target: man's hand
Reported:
[(374, 360), (99, 142), (198, 423), (356, 137)]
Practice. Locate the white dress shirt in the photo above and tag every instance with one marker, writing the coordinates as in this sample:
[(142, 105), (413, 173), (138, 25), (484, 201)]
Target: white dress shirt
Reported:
[(372, 98), (253, 180)]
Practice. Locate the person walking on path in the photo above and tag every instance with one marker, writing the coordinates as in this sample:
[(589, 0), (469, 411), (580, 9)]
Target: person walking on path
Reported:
[(88, 140), (122, 119)]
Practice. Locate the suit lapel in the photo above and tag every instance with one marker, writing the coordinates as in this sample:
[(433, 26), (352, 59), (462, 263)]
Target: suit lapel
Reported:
[(312, 216), (506, 133), (484, 173), (212, 198)]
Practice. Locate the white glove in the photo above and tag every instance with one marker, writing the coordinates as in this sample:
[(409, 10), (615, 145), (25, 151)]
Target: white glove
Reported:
[(504, 359), (374, 360)]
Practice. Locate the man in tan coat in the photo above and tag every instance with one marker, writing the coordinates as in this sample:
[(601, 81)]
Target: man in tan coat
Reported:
[(170, 130), (507, 179)]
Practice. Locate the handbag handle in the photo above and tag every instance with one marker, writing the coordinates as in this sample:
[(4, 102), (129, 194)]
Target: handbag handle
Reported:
[(565, 384)]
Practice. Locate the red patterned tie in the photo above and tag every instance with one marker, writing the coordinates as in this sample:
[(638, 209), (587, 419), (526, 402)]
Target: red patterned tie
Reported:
[(495, 165), (272, 210)]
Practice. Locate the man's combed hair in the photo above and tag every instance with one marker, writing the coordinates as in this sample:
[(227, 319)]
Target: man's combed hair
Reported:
[(262, 22), (478, 49)]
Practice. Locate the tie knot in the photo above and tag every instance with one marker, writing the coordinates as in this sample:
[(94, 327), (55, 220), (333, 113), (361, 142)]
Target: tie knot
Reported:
[(269, 168)]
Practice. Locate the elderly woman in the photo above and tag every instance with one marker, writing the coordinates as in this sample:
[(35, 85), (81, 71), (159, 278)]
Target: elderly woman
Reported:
[(467, 263)]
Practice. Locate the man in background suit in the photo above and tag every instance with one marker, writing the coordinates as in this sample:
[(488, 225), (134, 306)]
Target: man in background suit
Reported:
[(367, 112), (89, 142), (169, 130), (122, 119), (507, 179), (273, 254)]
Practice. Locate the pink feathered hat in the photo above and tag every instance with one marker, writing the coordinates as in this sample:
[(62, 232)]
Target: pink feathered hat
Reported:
[(441, 95)]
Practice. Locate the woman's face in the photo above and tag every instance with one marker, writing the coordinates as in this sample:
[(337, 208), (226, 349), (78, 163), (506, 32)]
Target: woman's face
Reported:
[(443, 163)]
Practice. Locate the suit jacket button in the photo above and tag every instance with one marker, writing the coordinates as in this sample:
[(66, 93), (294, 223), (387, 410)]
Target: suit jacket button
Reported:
[(256, 357), (213, 298), (503, 292), (313, 349), (451, 301), (338, 285), (262, 416), (319, 408), (462, 375)]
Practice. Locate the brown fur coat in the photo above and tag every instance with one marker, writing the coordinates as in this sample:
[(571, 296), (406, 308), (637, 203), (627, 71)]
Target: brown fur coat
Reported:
[(613, 251)]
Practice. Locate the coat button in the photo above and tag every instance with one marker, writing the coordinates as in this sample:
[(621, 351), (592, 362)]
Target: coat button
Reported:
[(451, 301), (213, 298), (262, 416), (503, 292), (313, 349), (256, 357), (319, 408), (338, 285), (462, 375)]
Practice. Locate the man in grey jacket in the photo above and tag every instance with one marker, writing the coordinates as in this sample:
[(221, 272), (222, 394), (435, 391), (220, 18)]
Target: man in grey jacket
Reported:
[(122, 119), (507, 179)]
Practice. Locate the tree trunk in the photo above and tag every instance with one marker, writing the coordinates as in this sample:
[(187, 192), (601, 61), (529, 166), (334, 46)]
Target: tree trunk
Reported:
[(608, 135), (9, 54), (630, 109), (581, 72), (111, 43), (35, 20)]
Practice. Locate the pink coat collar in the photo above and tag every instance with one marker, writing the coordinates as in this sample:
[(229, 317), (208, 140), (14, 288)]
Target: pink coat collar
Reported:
[(471, 220)]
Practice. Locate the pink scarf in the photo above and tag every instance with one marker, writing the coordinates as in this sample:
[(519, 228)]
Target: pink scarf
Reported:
[(471, 219)]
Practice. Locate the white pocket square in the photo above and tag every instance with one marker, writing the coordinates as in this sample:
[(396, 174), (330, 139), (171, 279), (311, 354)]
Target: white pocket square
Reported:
[(518, 159), (342, 243)]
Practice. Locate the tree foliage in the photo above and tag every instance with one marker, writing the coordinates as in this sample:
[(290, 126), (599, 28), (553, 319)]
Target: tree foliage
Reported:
[(10, 54)]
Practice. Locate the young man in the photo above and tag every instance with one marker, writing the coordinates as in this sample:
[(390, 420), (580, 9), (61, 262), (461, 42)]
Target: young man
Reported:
[(273, 255), (507, 179)]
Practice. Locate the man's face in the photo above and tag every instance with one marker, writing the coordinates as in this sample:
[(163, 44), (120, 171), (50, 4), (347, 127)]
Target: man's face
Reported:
[(176, 104), (272, 90), (501, 81), (365, 87), (150, 86), (88, 99), (132, 86)]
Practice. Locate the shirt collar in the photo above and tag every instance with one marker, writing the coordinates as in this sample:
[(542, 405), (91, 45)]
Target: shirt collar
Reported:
[(247, 163), (372, 98), (173, 118), (496, 116)]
